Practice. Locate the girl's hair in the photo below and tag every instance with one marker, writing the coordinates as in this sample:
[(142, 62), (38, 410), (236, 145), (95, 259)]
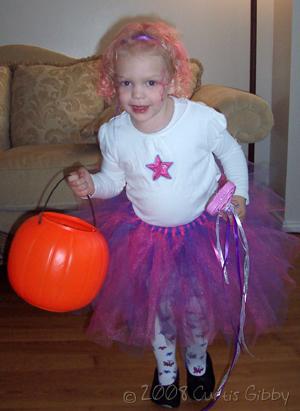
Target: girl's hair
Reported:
[(154, 36)]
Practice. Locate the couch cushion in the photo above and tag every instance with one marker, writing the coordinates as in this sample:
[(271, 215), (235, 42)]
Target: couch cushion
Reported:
[(27, 172), (5, 83), (51, 104)]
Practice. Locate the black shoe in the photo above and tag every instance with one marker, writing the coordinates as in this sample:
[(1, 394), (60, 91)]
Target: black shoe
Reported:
[(167, 396), (201, 387)]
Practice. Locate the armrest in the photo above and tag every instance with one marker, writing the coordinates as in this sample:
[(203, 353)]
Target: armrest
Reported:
[(249, 117), (5, 91)]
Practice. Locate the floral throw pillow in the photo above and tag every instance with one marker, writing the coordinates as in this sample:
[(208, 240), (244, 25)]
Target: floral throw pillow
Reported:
[(51, 104)]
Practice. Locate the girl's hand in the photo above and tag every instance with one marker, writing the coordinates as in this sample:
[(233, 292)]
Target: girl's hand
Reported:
[(239, 204), (81, 182)]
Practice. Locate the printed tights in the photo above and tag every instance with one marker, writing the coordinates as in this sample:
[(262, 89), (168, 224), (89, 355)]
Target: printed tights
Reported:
[(165, 353)]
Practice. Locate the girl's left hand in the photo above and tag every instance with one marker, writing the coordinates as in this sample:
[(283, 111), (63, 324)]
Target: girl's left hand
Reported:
[(239, 204)]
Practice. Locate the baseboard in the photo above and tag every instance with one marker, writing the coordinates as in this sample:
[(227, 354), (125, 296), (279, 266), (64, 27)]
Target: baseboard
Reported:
[(291, 226)]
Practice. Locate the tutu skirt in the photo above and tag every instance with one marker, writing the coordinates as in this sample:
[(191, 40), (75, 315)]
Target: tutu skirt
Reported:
[(173, 274)]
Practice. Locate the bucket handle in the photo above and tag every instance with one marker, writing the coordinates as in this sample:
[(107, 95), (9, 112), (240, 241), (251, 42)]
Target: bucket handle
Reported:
[(50, 195)]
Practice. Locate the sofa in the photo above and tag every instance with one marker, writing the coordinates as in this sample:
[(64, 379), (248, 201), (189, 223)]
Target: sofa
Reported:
[(50, 113)]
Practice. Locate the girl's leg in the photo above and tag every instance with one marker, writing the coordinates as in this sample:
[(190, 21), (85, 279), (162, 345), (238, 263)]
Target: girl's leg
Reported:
[(165, 386), (200, 374), (195, 355), (165, 353)]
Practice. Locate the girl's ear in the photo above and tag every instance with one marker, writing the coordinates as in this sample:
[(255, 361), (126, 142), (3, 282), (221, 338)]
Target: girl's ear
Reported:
[(171, 87)]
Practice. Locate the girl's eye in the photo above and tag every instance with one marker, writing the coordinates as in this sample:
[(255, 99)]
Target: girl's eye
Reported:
[(125, 83), (151, 83)]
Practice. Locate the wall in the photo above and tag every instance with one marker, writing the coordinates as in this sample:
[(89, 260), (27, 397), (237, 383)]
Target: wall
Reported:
[(264, 61), (292, 192), (219, 38), (280, 93), (217, 33)]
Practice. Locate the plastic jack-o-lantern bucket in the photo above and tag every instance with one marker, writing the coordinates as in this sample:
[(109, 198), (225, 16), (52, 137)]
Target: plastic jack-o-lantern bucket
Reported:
[(57, 262)]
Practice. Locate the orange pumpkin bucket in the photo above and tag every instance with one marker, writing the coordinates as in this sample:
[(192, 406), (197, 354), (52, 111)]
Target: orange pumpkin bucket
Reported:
[(57, 262)]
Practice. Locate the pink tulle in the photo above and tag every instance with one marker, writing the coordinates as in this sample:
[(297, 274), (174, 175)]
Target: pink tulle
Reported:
[(173, 273)]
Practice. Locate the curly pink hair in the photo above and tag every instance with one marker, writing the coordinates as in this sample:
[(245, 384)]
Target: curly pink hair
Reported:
[(158, 36)]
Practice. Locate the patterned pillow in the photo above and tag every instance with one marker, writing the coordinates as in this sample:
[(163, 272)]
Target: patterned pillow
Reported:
[(51, 104), (92, 128), (5, 81)]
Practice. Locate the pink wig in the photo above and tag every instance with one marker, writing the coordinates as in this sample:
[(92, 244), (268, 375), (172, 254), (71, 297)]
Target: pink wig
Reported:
[(147, 35)]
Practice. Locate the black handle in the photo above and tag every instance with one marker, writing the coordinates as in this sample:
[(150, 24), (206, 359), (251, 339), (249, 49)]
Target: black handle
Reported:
[(50, 195)]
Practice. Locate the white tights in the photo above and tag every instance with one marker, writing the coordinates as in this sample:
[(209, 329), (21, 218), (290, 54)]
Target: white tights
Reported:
[(165, 354)]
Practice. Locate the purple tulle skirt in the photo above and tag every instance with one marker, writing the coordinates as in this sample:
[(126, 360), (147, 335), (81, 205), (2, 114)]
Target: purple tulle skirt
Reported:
[(173, 273)]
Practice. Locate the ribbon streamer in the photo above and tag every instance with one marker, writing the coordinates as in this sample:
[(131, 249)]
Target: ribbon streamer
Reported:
[(240, 238)]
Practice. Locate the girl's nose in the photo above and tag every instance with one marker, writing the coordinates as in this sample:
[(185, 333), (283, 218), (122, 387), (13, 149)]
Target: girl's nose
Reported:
[(137, 91)]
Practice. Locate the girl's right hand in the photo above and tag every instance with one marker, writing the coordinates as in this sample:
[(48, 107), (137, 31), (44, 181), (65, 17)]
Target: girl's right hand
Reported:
[(81, 182)]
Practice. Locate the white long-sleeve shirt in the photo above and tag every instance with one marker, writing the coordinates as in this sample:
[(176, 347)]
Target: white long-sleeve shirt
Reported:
[(191, 140)]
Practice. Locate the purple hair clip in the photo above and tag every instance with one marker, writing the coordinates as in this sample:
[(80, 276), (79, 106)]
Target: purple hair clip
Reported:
[(142, 37), (148, 37)]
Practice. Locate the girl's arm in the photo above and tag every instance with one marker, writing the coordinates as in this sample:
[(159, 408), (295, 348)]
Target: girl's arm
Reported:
[(110, 181), (99, 185), (107, 183), (229, 152), (233, 161), (235, 168), (239, 204), (81, 182)]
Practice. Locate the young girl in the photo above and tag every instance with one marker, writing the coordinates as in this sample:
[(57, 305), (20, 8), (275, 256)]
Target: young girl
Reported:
[(165, 284)]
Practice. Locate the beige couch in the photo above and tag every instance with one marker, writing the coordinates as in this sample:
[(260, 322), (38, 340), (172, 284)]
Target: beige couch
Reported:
[(49, 116)]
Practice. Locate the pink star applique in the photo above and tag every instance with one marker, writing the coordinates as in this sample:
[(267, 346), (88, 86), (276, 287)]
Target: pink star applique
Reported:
[(160, 168)]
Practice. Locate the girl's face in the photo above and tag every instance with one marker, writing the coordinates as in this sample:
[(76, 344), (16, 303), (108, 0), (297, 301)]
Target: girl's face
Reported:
[(143, 85)]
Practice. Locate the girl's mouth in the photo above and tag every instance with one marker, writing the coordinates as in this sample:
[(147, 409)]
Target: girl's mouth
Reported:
[(139, 109)]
